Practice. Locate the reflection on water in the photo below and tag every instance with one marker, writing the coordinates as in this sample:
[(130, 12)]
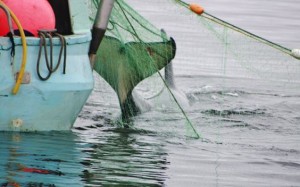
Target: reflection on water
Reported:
[(118, 156), (39, 159), (123, 156)]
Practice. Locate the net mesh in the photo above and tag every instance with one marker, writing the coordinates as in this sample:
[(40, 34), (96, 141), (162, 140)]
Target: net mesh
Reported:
[(134, 50), (243, 55)]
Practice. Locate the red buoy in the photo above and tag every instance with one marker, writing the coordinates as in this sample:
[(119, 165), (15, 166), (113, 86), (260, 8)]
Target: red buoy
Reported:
[(32, 14)]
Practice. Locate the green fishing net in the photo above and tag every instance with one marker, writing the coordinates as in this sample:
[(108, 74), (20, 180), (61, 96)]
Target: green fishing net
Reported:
[(242, 79), (236, 52), (130, 58), (133, 52)]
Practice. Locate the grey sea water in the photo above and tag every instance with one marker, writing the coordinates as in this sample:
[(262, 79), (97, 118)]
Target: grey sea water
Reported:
[(250, 128)]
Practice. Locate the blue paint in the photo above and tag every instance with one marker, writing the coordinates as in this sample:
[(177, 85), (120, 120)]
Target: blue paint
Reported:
[(44, 105), (53, 104)]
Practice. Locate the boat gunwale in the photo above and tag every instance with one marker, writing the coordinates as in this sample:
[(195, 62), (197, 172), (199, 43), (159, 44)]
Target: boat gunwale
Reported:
[(73, 39)]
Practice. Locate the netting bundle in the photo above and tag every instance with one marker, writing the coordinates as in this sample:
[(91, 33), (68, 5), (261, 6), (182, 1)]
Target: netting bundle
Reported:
[(131, 51)]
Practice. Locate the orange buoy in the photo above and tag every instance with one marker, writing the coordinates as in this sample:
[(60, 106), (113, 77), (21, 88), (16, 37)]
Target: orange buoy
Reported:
[(33, 15), (196, 8)]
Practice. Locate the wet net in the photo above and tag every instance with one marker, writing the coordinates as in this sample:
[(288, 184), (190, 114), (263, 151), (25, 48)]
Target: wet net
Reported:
[(130, 58), (217, 64)]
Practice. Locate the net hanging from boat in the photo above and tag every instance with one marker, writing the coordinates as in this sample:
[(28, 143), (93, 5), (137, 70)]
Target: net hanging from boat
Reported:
[(130, 58)]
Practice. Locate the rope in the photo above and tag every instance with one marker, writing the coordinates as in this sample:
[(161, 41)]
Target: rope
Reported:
[(246, 33), (24, 54), (49, 64), (240, 30), (43, 43), (13, 45), (63, 47)]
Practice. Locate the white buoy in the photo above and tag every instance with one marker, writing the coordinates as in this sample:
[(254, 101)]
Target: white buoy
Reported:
[(296, 53)]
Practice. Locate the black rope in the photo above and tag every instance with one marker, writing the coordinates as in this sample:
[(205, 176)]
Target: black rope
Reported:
[(13, 45), (63, 48), (43, 44)]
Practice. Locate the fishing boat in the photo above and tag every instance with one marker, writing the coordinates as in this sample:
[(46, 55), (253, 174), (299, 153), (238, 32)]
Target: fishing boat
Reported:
[(47, 61), (45, 73)]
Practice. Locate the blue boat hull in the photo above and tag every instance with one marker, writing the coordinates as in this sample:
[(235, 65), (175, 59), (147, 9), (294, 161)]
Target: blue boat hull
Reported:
[(48, 105)]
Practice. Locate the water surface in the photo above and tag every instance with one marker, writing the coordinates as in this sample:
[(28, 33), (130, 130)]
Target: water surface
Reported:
[(250, 129)]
